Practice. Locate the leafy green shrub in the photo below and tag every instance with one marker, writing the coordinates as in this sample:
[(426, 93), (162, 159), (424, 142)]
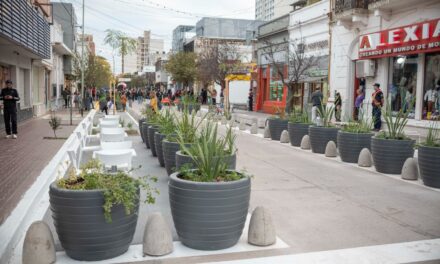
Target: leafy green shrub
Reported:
[(165, 122), (186, 128), (118, 188), (299, 116)]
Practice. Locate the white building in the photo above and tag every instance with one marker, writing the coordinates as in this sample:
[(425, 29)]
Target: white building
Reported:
[(395, 43), (271, 9), (148, 50), (309, 26)]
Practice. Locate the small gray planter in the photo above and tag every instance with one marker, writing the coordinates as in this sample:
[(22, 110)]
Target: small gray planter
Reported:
[(141, 131), (158, 138), (429, 165), (296, 132), (182, 159), (320, 136), (82, 229), (276, 127), (209, 215), (145, 126), (169, 155), (350, 145), (390, 155), (151, 131)]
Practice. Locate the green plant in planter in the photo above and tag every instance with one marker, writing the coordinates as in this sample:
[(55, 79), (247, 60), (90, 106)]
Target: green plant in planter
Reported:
[(395, 123), (433, 136), (165, 122), (299, 117), (326, 114), (122, 122), (206, 153), (362, 126), (186, 128), (279, 113), (118, 188)]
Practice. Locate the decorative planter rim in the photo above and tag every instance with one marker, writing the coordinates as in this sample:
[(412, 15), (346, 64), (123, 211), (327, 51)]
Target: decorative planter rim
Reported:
[(429, 147), (55, 186), (314, 126), (175, 177), (400, 140), (345, 132), (230, 155), (296, 123)]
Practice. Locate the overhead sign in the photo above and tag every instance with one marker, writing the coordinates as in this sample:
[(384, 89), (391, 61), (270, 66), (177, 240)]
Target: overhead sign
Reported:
[(124, 79), (416, 38)]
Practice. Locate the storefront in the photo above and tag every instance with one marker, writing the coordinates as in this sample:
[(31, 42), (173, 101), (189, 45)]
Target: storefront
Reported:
[(409, 57), (272, 94)]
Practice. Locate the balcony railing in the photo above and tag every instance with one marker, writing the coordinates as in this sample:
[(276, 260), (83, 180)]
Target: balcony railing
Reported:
[(24, 25), (344, 5)]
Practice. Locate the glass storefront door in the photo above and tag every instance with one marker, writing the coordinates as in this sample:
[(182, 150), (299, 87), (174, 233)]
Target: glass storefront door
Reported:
[(431, 87), (403, 85)]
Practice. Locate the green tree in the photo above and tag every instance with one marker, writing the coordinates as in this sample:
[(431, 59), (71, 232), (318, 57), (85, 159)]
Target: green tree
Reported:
[(118, 40), (98, 72), (183, 67)]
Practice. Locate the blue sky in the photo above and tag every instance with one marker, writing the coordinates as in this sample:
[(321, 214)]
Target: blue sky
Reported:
[(161, 17)]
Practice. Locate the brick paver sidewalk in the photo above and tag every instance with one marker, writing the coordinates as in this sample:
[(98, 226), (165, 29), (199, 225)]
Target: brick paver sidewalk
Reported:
[(23, 159)]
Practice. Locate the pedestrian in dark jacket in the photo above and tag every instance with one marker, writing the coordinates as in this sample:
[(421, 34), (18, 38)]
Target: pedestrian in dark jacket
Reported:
[(377, 103), (10, 97)]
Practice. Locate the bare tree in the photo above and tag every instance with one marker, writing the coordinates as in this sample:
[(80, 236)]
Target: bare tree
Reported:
[(217, 60), (291, 64)]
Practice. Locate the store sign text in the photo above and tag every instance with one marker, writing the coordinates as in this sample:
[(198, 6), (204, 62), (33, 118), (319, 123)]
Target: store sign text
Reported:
[(421, 37)]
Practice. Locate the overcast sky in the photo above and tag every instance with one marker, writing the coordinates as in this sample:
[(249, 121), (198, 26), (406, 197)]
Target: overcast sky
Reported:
[(161, 17)]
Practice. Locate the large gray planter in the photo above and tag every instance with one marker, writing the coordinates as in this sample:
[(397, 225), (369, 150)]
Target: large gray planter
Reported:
[(182, 160), (209, 215), (296, 132), (169, 155), (320, 136), (151, 131), (82, 229), (276, 127), (351, 144), (141, 131), (390, 155), (145, 126), (429, 165), (158, 138)]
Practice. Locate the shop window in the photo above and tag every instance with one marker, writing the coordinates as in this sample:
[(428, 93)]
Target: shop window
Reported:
[(403, 86), (431, 88), (276, 85), (5, 74)]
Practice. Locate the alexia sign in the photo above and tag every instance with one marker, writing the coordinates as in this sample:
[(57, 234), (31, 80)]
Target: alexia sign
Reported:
[(421, 37)]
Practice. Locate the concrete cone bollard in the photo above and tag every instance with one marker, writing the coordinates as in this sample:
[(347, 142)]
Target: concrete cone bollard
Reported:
[(261, 228), (266, 132), (305, 142), (242, 124), (365, 159), (285, 137), (330, 150), (38, 246), (254, 128), (410, 170), (158, 240), (224, 121)]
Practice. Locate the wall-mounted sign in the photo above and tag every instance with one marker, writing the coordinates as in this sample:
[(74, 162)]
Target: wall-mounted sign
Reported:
[(416, 38), (124, 79)]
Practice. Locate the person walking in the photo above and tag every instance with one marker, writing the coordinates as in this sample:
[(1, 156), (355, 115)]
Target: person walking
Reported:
[(316, 103), (65, 93), (153, 102), (377, 102), (123, 101), (251, 100), (358, 103), (338, 107), (10, 97)]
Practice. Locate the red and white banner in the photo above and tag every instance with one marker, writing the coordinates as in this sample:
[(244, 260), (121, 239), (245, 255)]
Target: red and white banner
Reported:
[(416, 38)]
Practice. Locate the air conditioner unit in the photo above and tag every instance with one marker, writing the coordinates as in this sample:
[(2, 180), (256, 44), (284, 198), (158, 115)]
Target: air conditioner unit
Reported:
[(365, 68)]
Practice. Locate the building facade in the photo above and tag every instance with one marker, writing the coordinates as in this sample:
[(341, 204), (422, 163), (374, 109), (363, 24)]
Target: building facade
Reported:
[(23, 51), (148, 51), (181, 34), (395, 43)]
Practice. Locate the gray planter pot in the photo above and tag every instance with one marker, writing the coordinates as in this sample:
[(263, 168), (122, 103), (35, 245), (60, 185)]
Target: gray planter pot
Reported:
[(390, 155), (296, 132), (429, 165), (351, 144), (182, 159), (158, 138), (276, 127), (145, 126), (82, 229), (151, 131), (169, 155), (141, 131), (320, 136), (209, 216)]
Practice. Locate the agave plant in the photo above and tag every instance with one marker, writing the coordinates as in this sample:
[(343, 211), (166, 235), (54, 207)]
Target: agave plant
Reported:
[(395, 124), (433, 136), (299, 116), (166, 123), (326, 114), (186, 128), (363, 125)]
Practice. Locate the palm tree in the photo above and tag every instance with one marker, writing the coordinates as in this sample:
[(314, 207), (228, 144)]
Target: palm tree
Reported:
[(118, 40)]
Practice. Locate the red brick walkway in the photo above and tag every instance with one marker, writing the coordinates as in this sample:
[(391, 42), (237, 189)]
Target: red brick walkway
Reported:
[(23, 159)]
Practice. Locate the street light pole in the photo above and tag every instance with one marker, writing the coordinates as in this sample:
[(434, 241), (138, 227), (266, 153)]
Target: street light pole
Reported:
[(82, 58), (114, 85)]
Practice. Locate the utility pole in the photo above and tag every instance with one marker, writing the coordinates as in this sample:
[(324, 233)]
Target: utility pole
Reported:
[(114, 86), (82, 59)]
